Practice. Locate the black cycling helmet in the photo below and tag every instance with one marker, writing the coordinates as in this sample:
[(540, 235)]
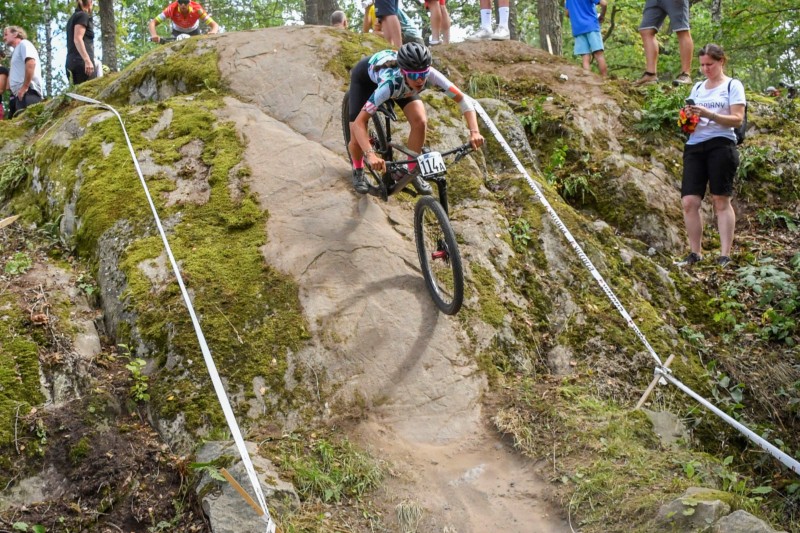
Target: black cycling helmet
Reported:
[(413, 56)]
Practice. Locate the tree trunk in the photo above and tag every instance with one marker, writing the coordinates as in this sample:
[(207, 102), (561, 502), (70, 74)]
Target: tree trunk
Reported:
[(47, 68), (108, 30), (319, 11), (549, 13)]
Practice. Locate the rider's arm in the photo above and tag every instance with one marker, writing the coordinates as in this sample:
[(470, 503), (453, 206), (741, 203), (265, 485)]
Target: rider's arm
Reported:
[(78, 33), (214, 27), (151, 27), (362, 138), (205, 17), (464, 102)]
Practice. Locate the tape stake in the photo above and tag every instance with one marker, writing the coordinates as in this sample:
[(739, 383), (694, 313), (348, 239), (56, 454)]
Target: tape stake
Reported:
[(653, 384)]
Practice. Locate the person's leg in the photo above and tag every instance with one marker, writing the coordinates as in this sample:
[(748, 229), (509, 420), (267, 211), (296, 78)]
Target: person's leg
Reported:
[(444, 23), (726, 222), (693, 188), (650, 50), (686, 46), (361, 88), (693, 220), (587, 61), (600, 57), (418, 121), (436, 22), (386, 11), (723, 161), (390, 25)]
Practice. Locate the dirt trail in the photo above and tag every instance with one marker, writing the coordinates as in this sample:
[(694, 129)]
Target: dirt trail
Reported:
[(381, 341)]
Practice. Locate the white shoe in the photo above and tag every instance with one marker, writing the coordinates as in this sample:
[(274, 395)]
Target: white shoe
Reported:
[(501, 34), (482, 34), (434, 43)]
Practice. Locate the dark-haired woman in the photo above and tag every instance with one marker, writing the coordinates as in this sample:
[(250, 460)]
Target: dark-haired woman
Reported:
[(399, 76), (710, 157), (80, 44)]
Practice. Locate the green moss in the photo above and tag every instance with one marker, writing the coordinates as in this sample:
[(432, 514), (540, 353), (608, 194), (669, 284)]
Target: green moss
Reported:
[(352, 48), (492, 309), (19, 377), (80, 450), (189, 65)]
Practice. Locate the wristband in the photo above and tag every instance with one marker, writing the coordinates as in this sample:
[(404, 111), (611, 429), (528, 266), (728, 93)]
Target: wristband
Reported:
[(370, 151), (474, 131)]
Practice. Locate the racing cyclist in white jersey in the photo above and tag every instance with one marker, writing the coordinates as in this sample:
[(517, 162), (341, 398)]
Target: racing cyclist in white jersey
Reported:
[(399, 76)]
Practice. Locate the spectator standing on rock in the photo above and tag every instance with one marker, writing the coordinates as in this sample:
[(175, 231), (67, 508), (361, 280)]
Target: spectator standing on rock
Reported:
[(80, 44), (339, 19), (25, 74), (185, 16), (655, 11), (585, 23), (501, 33), (386, 12), (440, 22), (710, 157)]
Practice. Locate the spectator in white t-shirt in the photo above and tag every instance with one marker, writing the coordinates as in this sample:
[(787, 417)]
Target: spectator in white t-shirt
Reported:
[(25, 74), (710, 157)]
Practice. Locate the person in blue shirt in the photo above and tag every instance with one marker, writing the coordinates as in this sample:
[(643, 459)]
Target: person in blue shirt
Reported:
[(586, 29)]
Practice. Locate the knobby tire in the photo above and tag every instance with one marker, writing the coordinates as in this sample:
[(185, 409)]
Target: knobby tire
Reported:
[(438, 255)]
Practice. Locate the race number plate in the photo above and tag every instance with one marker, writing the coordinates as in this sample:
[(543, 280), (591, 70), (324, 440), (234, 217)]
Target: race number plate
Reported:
[(431, 164)]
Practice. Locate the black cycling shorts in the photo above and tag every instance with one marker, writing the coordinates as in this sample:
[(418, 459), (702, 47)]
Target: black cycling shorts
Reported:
[(712, 163), (362, 87)]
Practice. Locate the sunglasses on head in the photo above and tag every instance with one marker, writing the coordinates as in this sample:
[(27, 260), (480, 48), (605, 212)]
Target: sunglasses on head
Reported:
[(416, 74)]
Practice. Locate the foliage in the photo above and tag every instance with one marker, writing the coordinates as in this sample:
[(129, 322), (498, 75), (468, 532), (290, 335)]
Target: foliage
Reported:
[(521, 234), (14, 169), (660, 109), (775, 292), (18, 264), (770, 218), (329, 470), (139, 389), (23, 526)]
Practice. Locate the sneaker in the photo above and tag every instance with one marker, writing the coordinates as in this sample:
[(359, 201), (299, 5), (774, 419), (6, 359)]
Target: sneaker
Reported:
[(723, 261), (646, 79), (683, 79), (482, 34), (690, 259), (360, 183), (501, 34), (422, 186), (434, 43)]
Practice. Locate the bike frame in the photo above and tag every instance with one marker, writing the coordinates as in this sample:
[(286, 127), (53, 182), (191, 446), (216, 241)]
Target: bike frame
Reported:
[(393, 187)]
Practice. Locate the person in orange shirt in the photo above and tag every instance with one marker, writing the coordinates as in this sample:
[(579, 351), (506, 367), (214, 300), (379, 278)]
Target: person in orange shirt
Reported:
[(185, 16)]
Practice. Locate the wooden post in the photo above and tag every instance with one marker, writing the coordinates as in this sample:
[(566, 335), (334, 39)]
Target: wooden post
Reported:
[(652, 385), (242, 492), (8, 221)]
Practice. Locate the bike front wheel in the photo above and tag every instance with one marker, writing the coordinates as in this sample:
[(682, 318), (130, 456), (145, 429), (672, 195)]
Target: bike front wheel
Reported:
[(438, 255)]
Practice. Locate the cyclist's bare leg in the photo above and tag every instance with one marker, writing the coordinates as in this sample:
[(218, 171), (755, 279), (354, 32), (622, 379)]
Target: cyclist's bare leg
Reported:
[(418, 120), (356, 152)]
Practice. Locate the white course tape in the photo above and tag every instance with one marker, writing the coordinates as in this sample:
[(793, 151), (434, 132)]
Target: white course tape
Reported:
[(581, 254), (787, 460), (210, 365), (661, 370)]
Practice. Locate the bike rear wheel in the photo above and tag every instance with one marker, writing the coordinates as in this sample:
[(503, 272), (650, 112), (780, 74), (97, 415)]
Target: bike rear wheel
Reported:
[(438, 255)]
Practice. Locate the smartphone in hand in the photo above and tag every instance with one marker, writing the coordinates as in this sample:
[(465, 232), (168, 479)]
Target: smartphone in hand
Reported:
[(689, 101)]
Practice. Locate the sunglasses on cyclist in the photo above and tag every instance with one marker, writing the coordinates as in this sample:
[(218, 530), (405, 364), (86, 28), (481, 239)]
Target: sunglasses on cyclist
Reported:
[(414, 75)]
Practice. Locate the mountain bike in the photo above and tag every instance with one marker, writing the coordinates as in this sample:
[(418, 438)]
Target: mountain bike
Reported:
[(436, 243)]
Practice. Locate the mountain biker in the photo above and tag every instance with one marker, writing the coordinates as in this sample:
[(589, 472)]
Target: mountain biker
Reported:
[(185, 16), (398, 76)]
